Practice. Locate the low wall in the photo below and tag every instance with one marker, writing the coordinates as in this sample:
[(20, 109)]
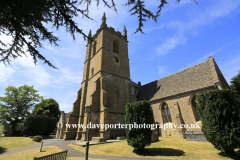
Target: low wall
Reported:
[(195, 136)]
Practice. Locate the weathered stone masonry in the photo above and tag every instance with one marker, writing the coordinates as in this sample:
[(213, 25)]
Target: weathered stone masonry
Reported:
[(107, 87)]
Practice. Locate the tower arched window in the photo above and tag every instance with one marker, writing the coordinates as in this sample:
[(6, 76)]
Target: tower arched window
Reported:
[(115, 47), (166, 113), (194, 108)]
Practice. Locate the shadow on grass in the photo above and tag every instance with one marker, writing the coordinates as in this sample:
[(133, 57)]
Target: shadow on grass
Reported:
[(156, 141), (2, 149), (236, 156), (159, 152)]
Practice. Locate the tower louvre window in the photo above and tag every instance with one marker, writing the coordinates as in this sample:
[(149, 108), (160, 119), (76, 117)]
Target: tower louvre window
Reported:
[(115, 47), (117, 93), (94, 47)]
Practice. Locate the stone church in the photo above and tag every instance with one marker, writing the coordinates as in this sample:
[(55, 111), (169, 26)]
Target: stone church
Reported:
[(107, 87)]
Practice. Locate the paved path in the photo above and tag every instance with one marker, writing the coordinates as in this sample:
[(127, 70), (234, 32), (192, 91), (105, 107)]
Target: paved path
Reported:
[(71, 152)]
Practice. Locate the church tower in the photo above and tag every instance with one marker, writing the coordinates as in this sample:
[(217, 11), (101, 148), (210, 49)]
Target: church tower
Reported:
[(106, 85)]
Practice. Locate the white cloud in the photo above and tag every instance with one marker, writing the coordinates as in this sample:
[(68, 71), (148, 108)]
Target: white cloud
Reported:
[(220, 9), (211, 54), (162, 71), (6, 73), (64, 106), (235, 60), (171, 43), (66, 75)]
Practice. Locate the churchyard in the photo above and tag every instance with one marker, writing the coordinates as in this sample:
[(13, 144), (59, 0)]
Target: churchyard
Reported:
[(165, 148)]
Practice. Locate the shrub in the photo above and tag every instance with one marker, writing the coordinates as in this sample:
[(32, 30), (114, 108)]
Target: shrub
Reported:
[(39, 125), (51, 125), (235, 86), (37, 138), (220, 120), (35, 125), (139, 112)]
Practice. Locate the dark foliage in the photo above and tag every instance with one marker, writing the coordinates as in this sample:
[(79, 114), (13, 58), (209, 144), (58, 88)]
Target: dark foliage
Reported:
[(35, 125), (140, 113), (220, 120), (51, 125), (235, 87), (39, 125), (24, 21), (37, 138), (48, 107)]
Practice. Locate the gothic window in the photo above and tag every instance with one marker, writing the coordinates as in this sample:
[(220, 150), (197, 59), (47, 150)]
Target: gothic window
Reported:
[(115, 47), (194, 108), (117, 93), (166, 113), (94, 47)]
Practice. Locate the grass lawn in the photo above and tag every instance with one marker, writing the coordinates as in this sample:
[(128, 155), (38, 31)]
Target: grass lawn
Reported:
[(10, 143), (29, 154), (166, 148)]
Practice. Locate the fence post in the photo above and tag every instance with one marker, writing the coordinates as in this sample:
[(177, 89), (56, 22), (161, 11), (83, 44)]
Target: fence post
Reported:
[(66, 154)]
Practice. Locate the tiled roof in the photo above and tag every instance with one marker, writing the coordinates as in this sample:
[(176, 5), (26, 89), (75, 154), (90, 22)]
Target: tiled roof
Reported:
[(192, 78)]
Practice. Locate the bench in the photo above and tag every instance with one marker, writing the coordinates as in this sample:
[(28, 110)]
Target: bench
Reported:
[(56, 156)]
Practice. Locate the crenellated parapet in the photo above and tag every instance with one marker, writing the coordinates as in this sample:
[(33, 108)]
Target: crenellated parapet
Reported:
[(110, 29)]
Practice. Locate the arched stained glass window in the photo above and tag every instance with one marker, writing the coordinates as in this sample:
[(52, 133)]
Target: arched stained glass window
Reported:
[(166, 113), (195, 111), (169, 115)]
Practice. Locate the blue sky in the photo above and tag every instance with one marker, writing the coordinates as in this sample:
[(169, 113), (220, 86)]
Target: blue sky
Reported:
[(185, 35)]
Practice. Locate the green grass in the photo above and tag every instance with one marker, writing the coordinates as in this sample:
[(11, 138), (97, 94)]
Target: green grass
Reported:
[(10, 143), (166, 148), (29, 154)]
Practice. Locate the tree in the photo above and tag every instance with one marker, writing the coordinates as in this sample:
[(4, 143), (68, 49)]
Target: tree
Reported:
[(24, 22), (139, 113), (16, 105), (235, 86), (48, 107), (35, 125), (220, 120)]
